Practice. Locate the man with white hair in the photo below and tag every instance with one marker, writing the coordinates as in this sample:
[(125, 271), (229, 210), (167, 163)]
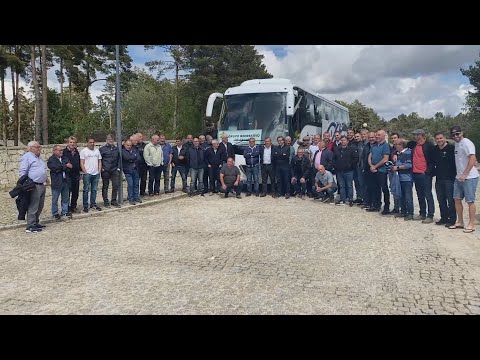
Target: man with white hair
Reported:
[(139, 144), (58, 165), (35, 168)]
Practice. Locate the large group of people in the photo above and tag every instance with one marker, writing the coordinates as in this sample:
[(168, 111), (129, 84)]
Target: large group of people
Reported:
[(323, 169)]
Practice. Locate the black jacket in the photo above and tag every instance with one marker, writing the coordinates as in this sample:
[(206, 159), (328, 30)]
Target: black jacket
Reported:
[(141, 161), (300, 167), (110, 158), (230, 150), (364, 160), (57, 168), (215, 159), (281, 156), (428, 149), (131, 160), (74, 159), (345, 159), (326, 159), (176, 154), (22, 191), (444, 162), (196, 157)]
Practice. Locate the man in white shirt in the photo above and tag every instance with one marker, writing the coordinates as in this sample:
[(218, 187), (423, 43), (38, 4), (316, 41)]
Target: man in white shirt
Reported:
[(466, 180), (267, 166), (91, 165), (314, 147)]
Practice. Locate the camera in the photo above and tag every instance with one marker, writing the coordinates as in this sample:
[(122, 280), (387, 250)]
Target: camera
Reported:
[(389, 164)]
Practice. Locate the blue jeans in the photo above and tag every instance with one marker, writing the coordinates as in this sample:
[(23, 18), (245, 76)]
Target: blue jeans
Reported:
[(407, 197), (183, 175), (133, 184), (396, 201), (90, 182), (65, 192), (423, 186), (166, 176), (253, 175), (345, 182), (466, 189), (444, 190), (330, 192), (196, 174)]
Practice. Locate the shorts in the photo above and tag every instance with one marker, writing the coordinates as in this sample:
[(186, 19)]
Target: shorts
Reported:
[(466, 189)]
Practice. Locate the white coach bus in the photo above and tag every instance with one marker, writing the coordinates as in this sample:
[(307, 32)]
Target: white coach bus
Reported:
[(272, 107)]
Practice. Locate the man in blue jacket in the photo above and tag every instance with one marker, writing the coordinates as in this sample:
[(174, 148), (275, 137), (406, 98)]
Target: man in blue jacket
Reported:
[(58, 164), (404, 167), (252, 161)]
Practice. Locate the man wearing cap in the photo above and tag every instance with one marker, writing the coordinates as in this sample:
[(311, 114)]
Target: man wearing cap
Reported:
[(422, 169), (466, 180)]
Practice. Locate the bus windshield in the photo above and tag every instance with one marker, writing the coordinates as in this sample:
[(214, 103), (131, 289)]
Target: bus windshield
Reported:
[(258, 111)]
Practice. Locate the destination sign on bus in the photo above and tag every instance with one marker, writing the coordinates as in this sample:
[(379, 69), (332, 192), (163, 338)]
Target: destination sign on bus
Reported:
[(241, 136)]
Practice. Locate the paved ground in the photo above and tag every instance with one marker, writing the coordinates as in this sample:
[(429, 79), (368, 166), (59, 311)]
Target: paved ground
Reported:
[(250, 256)]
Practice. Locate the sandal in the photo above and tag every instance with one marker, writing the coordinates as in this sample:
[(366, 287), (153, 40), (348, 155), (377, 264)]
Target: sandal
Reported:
[(455, 226), (466, 231)]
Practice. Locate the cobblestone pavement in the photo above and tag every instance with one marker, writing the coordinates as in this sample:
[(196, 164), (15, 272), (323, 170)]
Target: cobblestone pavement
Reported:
[(209, 255)]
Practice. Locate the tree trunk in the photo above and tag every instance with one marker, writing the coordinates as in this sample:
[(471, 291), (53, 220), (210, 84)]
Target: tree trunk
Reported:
[(15, 109), (18, 110), (61, 82), (175, 112), (70, 91), (86, 89), (38, 104), (4, 112), (44, 96)]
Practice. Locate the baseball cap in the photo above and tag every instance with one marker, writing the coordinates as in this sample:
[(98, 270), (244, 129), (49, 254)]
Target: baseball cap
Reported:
[(418, 132), (455, 129)]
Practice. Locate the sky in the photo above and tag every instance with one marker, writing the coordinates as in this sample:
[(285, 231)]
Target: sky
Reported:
[(391, 79)]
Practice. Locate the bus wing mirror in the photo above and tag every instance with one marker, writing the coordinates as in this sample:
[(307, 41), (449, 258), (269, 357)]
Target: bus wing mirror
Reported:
[(290, 104), (211, 102)]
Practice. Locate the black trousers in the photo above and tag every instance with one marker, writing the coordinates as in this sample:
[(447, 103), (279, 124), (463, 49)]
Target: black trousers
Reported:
[(142, 173), (283, 181), (154, 179), (114, 177), (214, 178), (381, 185), (444, 190), (74, 189), (268, 171)]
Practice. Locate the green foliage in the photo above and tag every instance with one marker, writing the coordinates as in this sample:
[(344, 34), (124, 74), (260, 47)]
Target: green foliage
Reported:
[(361, 114)]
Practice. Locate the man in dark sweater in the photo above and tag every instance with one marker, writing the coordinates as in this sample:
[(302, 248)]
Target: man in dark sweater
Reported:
[(444, 169), (252, 163), (345, 160), (196, 163), (300, 172), (110, 170), (179, 161), (281, 156), (73, 173), (214, 159), (58, 164)]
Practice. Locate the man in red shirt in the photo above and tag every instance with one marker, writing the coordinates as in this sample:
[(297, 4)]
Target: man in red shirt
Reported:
[(422, 175)]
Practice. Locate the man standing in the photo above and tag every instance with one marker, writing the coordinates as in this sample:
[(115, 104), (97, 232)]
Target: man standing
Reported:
[(267, 167), (403, 165), (360, 168), (325, 186), (393, 157), (379, 155), (281, 156), (345, 160), (58, 164), (35, 168), (91, 164), (466, 182), (252, 162), (110, 170), (314, 147), (153, 155), (188, 144), (422, 175), (230, 178), (328, 141), (196, 161), (336, 141), (288, 142), (167, 160), (204, 145), (214, 160), (369, 202), (179, 161), (227, 147), (444, 169), (73, 173), (139, 144), (323, 156)]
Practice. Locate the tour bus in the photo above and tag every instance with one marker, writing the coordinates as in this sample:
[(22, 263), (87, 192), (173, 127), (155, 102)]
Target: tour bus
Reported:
[(272, 107)]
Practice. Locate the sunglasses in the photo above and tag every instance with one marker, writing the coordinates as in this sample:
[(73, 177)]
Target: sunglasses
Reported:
[(456, 134)]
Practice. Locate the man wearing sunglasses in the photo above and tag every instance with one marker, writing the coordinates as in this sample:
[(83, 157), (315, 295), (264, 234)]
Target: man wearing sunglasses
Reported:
[(466, 180)]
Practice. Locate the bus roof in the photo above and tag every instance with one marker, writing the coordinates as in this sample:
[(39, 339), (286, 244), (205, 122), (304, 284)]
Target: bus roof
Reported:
[(274, 85)]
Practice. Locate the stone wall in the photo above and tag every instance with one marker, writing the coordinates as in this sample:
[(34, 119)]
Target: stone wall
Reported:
[(10, 162)]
